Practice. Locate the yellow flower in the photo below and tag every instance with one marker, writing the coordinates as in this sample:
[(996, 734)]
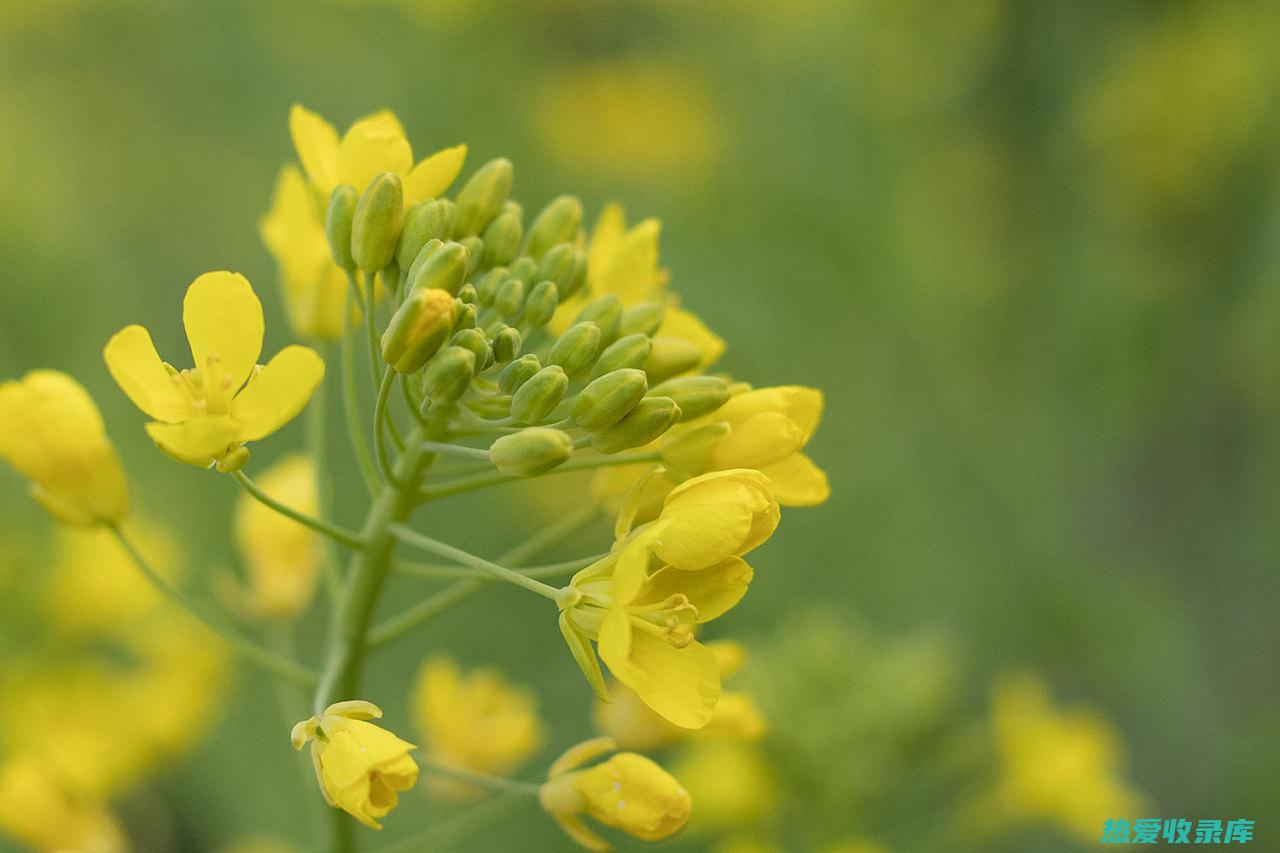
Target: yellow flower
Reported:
[(1064, 767), (628, 792), (730, 780), (282, 556), (633, 725), (360, 766), (37, 811), (643, 625), (474, 721), (52, 433), (205, 414)]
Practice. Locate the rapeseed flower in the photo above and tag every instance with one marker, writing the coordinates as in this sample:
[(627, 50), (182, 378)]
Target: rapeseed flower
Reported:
[(37, 810)]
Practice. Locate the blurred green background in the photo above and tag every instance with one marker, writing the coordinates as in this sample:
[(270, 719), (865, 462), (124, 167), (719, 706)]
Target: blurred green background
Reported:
[(1029, 251)]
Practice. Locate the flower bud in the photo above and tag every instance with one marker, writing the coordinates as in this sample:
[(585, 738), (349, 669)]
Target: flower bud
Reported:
[(509, 297), (605, 312), (690, 452), (482, 197), (518, 372), (506, 344), (631, 351), (531, 451), (609, 399), (502, 239), (671, 357), (375, 229), (468, 294), (541, 305), (449, 374), (337, 224), (576, 349), (474, 340), (557, 266), (418, 329), (488, 284), (523, 268), (426, 221), (649, 419), (695, 395), (644, 318), (466, 316), (579, 275), (475, 250), (439, 266), (539, 395), (557, 223)]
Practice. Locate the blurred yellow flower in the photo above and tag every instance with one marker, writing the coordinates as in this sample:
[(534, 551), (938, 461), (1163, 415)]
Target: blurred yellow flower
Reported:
[(730, 780), (37, 811), (474, 721), (205, 414), (628, 792), (361, 767), (283, 557), (52, 433)]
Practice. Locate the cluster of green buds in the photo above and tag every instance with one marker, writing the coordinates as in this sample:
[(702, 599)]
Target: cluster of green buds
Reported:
[(478, 331)]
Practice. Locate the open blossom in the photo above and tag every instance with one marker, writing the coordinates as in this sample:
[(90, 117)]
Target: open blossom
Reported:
[(52, 433), (205, 414), (361, 767), (628, 792), (38, 811)]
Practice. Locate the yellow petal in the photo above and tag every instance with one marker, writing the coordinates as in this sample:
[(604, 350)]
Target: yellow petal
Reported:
[(716, 515), (316, 142), (606, 234), (579, 754), (634, 794), (374, 144), (799, 404), (433, 175), (136, 367), (633, 562), (631, 269), (758, 441), (680, 684), (581, 834), (797, 481), (198, 441), (712, 590), (278, 393), (687, 326), (223, 319)]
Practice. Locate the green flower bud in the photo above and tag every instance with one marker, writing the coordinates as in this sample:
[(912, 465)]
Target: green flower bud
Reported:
[(375, 228), (690, 452), (557, 266), (576, 349), (509, 298), (448, 374), (482, 197), (419, 327), (487, 286), (671, 357), (523, 268), (518, 372), (644, 318), (466, 316), (337, 224), (475, 251), (695, 395), (425, 222), (608, 399), (440, 266), (539, 395), (605, 311), (631, 351), (502, 239), (531, 451), (468, 294), (579, 276), (506, 344), (651, 417), (474, 340), (541, 305), (557, 223)]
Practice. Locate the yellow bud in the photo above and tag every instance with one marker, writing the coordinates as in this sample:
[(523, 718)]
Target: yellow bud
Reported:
[(502, 239), (695, 395), (608, 399), (576, 349), (418, 329), (448, 374), (531, 451), (649, 419), (539, 395), (518, 372), (375, 228), (338, 220), (671, 357), (631, 351), (557, 223), (482, 197)]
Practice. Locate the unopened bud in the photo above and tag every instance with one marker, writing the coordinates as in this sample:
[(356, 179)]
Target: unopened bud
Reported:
[(523, 268), (468, 294), (509, 298), (557, 223), (506, 344), (609, 399), (579, 276), (644, 318), (482, 197), (418, 329), (421, 224), (557, 266), (488, 284), (502, 239), (671, 357), (576, 349), (695, 395), (651, 417), (531, 451), (689, 452), (337, 224), (605, 311), (631, 351), (518, 372), (440, 266), (475, 250), (541, 305), (539, 395), (466, 316), (375, 229), (233, 460), (448, 374), (474, 340)]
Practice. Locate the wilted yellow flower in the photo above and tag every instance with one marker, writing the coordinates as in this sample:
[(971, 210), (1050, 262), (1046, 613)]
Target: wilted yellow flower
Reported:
[(361, 767), (730, 780), (628, 792), (474, 721), (205, 414), (1063, 767), (283, 557), (36, 810), (52, 433)]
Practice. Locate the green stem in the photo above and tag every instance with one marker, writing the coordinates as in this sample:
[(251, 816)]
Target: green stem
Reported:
[(379, 418), (550, 570), (493, 478), (458, 450), (251, 651), (351, 401), (371, 325), (484, 780), (337, 534), (444, 549)]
